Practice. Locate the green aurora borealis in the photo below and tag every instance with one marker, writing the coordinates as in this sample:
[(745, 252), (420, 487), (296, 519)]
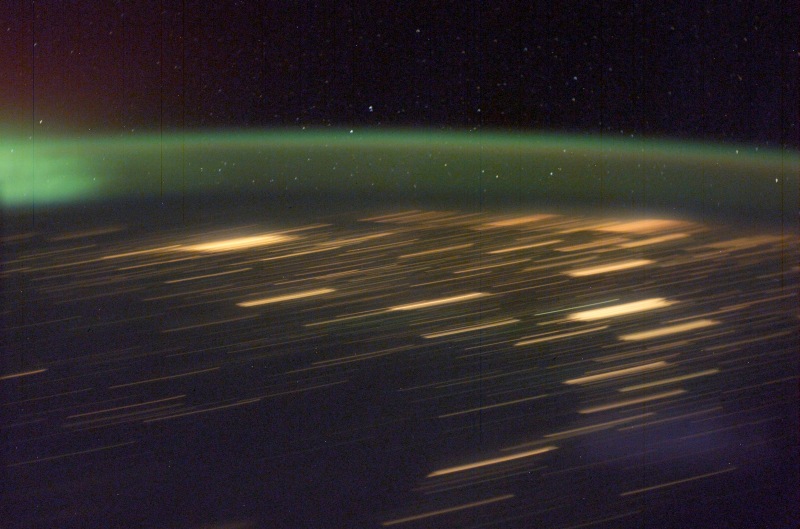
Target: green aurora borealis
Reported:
[(492, 168)]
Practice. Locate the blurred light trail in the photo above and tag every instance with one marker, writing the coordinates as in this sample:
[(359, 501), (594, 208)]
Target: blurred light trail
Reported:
[(596, 427), (525, 247), (621, 310), (489, 267), (677, 482), (653, 240), (549, 338), (437, 302), (493, 461), (617, 373), (207, 324), (117, 408), (492, 406), (643, 226), (471, 328), (159, 379), (238, 243), (611, 267), (205, 410), (435, 251), (578, 307), (447, 510), (646, 385), (136, 253), (71, 454), (22, 374), (206, 276), (631, 402), (666, 331), (286, 297), (517, 221), (299, 254)]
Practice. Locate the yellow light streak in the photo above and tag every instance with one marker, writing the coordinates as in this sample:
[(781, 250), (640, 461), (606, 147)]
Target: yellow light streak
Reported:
[(525, 247), (641, 226), (630, 402), (298, 254), (169, 377), (137, 405), (705, 373), (618, 373), (590, 245), (493, 461), (447, 510), (62, 456), (487, 267), (560, 336), (518, 220), (437, 302), (744, 243), (621, 310), (286, 297), (238, 243), (391, 216), (611, 267), (206, 410), (141, 252), (492, 406), (208, 324), (469, 329), (666, 331), (22, 374), (437, 250), (676, 482), (653, 240), (596, 427), (205, 276), (87, 233), (577, 307)]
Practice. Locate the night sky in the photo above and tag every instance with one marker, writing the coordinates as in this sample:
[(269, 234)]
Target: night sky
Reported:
[(721, 71)]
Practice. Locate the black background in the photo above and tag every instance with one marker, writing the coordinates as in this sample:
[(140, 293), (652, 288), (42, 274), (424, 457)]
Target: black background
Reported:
[(723, 71)]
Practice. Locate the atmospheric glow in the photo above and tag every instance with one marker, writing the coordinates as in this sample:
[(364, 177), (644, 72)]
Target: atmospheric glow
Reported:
[(55, 176), (387, 163)]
